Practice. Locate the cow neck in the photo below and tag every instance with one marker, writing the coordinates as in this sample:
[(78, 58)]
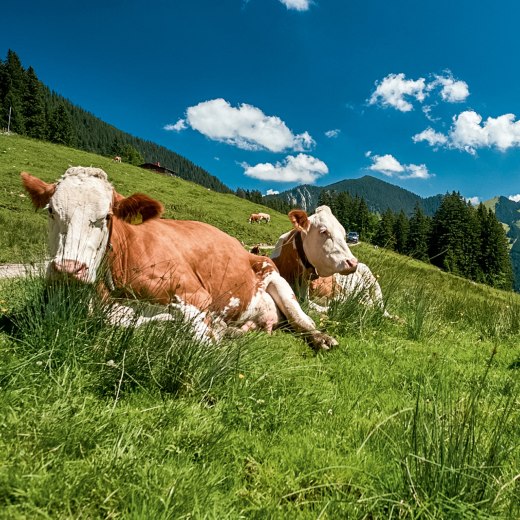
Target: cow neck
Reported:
[(298, 241)]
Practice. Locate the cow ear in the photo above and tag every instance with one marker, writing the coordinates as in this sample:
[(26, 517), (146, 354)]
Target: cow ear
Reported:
[(39, 191), (299, 219), (137, 208)]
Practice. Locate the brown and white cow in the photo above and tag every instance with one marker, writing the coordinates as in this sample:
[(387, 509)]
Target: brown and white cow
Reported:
[(179, 267), (314, 257), (264, 217)]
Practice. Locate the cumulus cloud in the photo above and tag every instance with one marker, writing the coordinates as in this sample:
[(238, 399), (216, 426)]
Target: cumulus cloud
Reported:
[(514, 198), (395, 88), (177, 127), (432, 137), (272, 192), (388, 165), (297, 5), (245, 126), (332, 133), (301, 168), (398, 92), (452, 90), (474, 201), (469, 132)]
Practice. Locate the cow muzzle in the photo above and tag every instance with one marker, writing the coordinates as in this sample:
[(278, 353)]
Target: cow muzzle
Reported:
[(350, 266), (71, 269)]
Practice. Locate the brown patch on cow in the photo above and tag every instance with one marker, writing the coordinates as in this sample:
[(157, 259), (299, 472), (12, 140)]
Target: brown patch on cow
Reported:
[(137, 208), (299, 219), (323, 288), (39, 191), (288, 262)]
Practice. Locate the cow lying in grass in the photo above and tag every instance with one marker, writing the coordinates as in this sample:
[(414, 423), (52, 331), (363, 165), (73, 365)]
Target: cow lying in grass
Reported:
[(180, 268), (303, 257)]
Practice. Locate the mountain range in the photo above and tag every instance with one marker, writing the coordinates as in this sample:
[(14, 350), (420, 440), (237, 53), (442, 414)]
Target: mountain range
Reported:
[(379, 196)]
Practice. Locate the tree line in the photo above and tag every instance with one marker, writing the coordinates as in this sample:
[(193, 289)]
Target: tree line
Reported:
[(462, 239), (28, 107)]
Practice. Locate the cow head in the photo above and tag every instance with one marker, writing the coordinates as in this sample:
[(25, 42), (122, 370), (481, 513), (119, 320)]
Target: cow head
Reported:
[(324, 241), (81, 206)]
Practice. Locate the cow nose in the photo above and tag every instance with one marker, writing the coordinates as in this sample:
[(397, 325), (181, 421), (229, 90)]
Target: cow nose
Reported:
[(70, 267), (350, 265)]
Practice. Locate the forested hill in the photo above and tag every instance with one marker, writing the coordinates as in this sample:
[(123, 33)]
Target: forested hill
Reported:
[(379, 196), (508, 212), (28, 107)]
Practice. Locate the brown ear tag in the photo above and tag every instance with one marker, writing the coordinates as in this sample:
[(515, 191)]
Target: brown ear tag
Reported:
[(136, 219)]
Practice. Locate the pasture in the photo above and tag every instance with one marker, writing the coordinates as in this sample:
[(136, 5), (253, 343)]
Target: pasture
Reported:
[(410, 419)]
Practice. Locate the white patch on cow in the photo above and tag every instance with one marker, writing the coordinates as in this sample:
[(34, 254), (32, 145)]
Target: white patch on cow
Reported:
[(233, 303), (138, 313), (78, 227), (261, 312), (361, 285), (283, 295)]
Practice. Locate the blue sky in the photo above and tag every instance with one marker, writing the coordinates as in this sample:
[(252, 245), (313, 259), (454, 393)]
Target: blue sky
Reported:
[(269, 94)]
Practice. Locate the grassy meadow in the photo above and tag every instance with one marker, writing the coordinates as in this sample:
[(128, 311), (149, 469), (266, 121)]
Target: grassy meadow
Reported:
[(409, 418)]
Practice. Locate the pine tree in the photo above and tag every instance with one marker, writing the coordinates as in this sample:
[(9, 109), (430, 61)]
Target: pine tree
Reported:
[(60, 129), (401, 228), (34, 107), (455, 237), (343, 206), (384, 235), (494, 260), (418, 235)]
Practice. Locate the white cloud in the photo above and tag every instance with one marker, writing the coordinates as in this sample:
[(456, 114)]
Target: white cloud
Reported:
[(398, 92), (393, 89), (272, 192), (177, 127), (246, 127), (432, 137), (474, 201), (332, 133), (300, 168), (452, 91), (388, 165), (468, 132), (297, 5), (514, 198)]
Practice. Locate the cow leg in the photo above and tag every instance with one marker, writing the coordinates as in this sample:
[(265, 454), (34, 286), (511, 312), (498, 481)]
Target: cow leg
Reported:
[(282, 294)]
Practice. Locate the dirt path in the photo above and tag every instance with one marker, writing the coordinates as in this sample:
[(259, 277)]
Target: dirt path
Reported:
[(20, 270)]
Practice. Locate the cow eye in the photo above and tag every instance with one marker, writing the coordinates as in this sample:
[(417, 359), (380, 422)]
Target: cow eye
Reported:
[(325, 232), (50, 210), (98, 222)]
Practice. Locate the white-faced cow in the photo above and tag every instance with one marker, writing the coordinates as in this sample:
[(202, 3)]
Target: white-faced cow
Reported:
[(314, 257), (180, 267)]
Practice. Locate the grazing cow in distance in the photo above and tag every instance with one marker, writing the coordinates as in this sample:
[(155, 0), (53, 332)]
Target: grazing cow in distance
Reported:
[(184, 269), (264, 217), (312, 257), (117, 158), (254, 217)]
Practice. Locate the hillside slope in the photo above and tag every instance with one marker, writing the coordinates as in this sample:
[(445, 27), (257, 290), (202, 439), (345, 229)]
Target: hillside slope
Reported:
[(182, 199)]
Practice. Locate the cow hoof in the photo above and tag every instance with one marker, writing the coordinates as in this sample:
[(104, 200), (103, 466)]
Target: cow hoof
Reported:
[(321, 341)]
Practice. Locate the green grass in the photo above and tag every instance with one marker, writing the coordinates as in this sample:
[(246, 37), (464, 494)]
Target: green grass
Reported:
[(409, 418)]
